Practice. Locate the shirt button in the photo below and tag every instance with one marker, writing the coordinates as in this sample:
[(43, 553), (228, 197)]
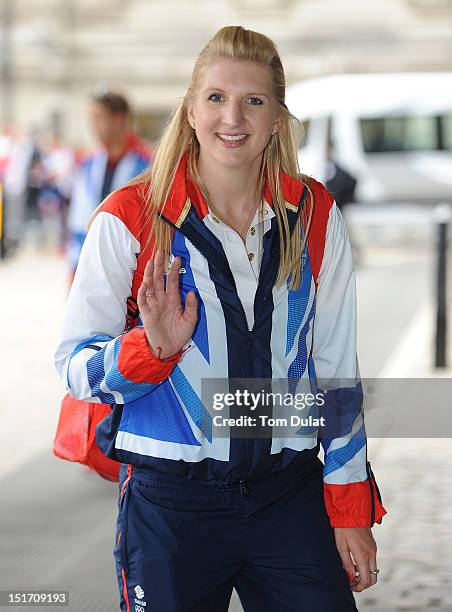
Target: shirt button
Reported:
[(252, 231), (265, 212), (251, 256)]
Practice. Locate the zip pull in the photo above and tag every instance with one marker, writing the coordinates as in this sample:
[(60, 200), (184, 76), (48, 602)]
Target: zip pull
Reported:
[(126, 481), (244, 489), (372, 499)]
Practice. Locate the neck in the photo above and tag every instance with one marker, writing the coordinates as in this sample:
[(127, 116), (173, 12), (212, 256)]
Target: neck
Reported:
[(232, 189)]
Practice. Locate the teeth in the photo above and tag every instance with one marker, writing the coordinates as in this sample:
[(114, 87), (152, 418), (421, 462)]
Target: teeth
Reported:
[(238, 137)]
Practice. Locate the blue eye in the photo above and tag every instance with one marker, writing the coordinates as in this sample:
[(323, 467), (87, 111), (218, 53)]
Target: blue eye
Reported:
[(214, 94), (258, 100)]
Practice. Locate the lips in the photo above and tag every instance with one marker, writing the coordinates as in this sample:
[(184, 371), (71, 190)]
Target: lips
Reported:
[(232, 141), (232, 137)]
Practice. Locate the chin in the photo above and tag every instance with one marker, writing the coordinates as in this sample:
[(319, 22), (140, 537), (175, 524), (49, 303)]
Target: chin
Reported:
[(228, 159), (236, 163), (234, 157)]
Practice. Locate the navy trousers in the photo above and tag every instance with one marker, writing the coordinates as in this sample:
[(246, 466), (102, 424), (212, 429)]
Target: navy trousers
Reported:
[(182, 547)]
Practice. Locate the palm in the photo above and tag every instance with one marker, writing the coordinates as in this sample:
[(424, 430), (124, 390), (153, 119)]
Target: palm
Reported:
[(167, 324)]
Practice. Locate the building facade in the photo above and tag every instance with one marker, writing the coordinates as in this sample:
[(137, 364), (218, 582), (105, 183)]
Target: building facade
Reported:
[(53, 52)]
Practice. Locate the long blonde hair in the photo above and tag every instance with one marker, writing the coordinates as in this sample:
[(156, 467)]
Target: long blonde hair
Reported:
[(178, 137)]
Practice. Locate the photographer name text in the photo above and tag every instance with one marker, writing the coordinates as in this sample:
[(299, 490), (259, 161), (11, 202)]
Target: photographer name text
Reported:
[(265, 420)]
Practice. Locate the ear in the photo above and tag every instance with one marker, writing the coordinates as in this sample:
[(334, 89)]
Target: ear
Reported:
[(276, 125), (190, 116)]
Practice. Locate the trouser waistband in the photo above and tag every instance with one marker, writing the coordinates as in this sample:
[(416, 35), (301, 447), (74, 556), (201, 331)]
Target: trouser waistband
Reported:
[(152, 476)]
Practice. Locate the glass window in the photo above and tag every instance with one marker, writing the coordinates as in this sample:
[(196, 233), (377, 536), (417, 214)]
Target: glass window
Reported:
[(386, 134), (447, 132)]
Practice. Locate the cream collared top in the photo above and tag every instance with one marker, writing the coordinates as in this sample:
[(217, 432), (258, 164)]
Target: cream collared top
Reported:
[(244, 257)]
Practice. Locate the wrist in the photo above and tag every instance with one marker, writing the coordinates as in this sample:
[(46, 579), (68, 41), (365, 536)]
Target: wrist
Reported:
[(163, 355)]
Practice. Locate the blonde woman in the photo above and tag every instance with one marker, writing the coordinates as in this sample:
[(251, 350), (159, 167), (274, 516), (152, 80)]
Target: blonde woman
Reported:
[(260, 285)]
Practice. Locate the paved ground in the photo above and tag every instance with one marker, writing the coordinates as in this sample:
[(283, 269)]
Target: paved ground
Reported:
[(57, 520)]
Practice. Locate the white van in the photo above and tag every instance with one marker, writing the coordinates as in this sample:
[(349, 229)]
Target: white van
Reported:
[(392, 132)]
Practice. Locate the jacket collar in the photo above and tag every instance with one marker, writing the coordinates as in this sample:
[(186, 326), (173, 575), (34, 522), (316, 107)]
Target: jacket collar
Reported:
[(185, 209), (185, 194)]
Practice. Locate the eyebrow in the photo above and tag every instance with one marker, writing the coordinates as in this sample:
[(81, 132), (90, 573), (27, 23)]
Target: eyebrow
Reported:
[(254, 93)]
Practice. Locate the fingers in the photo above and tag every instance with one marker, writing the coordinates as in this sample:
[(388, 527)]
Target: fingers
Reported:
[(172, 278), (191, 307), (373, 565), (153, 287), (373, 577), (158, 272), (366, 560), (142, 301), (365, 577), (146, 292), (148, 275), (350, 570), (153, 276), (358, 552), (347, 563)]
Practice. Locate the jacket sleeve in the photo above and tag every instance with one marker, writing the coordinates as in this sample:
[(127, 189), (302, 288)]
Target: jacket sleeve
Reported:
[(95, 358), (352, 498)]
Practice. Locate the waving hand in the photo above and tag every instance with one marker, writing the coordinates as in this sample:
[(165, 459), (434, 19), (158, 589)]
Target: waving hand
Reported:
[(167, 325)]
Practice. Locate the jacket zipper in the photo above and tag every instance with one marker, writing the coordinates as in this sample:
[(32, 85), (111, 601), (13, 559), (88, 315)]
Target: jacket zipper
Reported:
[(372, 499), (243, 486), (249, 337), (249, 441), (244, 489), (375, 483), (126, 481)]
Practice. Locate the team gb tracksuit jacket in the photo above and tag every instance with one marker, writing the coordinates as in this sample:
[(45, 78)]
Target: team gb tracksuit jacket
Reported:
[(304, 336)]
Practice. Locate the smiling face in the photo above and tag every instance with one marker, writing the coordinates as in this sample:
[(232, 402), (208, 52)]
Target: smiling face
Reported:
[(234, 111)]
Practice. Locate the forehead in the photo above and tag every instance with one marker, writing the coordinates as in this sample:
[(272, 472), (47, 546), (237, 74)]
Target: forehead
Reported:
[(97, 109), (236, 76)]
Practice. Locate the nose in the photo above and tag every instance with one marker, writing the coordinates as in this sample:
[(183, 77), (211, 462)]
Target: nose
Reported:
[(233, 114)]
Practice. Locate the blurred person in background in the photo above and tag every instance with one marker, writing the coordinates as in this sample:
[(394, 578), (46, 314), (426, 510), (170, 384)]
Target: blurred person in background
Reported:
[(52, 172), (239, 267), (18, 152), (123, 156), (5, 148), (340, 183), (33, 185)]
